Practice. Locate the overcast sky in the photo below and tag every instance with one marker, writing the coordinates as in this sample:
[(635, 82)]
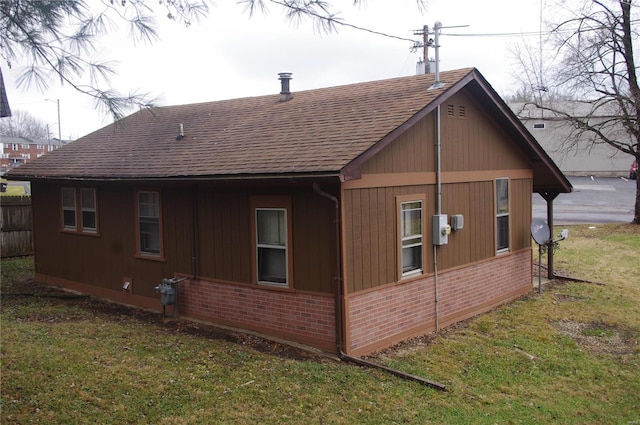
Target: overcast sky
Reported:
[(230, 55)]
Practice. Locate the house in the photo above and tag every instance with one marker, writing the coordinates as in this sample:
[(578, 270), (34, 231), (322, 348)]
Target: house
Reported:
[(347, 218), (578, 154), (16, 151)]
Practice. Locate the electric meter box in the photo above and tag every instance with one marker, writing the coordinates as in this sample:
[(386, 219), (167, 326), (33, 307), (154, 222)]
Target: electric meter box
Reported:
[(441, 229)]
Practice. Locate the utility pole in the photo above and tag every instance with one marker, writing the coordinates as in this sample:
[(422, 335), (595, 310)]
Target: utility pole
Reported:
[(59, 125), (426, 43), (425, 46)]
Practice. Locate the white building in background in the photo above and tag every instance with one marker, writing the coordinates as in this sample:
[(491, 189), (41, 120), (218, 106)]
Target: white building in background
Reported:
[(575, 157)]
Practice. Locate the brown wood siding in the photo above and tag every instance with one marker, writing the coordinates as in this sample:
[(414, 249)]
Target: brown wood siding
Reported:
[(481, 221), (224, 236), (371, 228), (314, 242), (472, 140), (412, 151), (223, 247), (520, 214), (102, 260), (371, 240)]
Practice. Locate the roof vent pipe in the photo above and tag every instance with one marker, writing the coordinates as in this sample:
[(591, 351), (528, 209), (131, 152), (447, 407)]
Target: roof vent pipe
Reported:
[(285, 92), (180, 132)]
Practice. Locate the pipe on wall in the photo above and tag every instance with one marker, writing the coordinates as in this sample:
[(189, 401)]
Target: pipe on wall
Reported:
[(339, 320), (438, 154)]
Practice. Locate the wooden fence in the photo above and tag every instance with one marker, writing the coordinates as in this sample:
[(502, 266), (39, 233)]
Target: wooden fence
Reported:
[(16, 226)]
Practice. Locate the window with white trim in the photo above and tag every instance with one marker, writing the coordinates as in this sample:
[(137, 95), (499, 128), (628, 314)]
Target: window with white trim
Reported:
[(502, 215), (271, 246), (271, 236), (69, 209), (149, 224), (88, 210), (411, 228), (79, 210)]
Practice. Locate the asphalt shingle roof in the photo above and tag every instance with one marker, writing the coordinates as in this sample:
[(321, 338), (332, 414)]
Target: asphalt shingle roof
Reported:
[(317, 131)]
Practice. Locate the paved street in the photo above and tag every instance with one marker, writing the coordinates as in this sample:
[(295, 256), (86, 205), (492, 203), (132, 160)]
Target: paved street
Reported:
[(597, 200)]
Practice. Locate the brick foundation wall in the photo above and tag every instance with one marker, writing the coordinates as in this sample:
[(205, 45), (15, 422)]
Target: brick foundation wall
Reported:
[(378, 319), (301, 317)]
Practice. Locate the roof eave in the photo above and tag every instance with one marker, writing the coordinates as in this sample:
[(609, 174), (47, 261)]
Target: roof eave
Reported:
[(180, 179)]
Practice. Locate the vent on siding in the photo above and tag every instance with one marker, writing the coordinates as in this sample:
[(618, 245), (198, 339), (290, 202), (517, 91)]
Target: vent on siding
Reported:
[(462, 111), (538, 125), (450, 111)]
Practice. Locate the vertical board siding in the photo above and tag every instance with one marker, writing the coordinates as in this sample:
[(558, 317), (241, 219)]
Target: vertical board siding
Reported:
[(314, 242), (371, 234), (475, 141), (222, 238), (471, 140), (521, 213), (16, 226), (371, 230)]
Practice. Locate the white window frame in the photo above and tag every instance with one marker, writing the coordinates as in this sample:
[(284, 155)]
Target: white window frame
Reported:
[(503, 242), (71, 208), (260, 247), (406, 241), (86, 210), (147, 220), (281, 204)]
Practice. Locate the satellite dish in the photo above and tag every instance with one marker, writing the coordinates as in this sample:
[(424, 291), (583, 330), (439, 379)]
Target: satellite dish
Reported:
[(540, 231)]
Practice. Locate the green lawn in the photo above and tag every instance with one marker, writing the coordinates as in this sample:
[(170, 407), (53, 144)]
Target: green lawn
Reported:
[(12, 190), (567, 356)]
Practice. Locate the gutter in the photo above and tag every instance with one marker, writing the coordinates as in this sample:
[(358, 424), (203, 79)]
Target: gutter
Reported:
[(177, 179), (339, 311)]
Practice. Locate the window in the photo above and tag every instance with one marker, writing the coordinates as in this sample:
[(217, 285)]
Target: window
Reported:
[(25, 146), (149, 224), (538, 125), (502, 214), (14, 147), (25, 156), (79, 211), (411, 227), (271, 231), (69, 209), (88, 210)]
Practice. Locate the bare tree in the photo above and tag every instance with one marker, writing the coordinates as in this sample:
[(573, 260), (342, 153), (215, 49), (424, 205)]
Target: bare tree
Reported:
[(592, 63), (59, 40), (23, 124)]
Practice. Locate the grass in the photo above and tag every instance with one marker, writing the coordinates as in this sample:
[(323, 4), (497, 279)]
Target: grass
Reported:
[(567, 356), (12, 190)]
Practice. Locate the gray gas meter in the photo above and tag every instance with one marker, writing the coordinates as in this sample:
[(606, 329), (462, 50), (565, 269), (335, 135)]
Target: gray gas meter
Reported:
[(167, 292)]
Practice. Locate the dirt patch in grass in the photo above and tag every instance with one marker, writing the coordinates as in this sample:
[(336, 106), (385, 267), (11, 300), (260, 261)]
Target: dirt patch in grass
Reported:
[(599, 337), (569, 298), (27, 290)]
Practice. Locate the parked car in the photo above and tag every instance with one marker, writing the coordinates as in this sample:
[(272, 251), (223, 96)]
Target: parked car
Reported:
[(633, 171)]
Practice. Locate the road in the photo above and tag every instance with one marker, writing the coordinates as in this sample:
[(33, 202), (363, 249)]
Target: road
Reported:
[(593, 200)]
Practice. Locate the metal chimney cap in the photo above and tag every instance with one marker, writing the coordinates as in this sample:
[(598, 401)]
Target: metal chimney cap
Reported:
[(285, 92)]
